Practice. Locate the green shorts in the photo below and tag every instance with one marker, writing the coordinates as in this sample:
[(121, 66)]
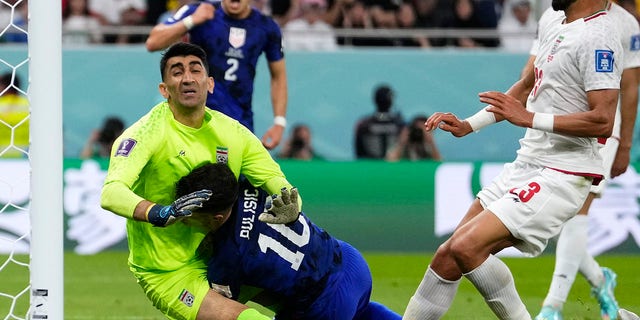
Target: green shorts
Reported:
[(178, 294)]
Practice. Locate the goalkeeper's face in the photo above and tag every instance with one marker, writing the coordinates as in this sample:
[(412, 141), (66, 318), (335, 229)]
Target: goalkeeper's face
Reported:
[(210, 221), (186, 82)]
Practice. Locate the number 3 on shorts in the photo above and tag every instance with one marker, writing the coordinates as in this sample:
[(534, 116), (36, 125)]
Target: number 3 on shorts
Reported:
[(525, 194)]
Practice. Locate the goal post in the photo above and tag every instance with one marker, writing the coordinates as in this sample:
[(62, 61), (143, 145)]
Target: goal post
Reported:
[(46, 160)]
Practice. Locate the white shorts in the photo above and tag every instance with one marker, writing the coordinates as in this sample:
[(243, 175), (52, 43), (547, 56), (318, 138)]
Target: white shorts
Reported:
[(533, 202), (608, 153)]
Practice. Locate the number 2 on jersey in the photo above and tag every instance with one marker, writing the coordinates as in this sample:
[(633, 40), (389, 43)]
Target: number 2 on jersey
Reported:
[(230, 74)]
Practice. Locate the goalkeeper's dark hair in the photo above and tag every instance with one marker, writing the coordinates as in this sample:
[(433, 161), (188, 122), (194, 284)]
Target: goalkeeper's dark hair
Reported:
[(183, 49), (216, 177)]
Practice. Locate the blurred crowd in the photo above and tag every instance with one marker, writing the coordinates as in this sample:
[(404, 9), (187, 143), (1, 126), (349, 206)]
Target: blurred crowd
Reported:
[(314, 24)]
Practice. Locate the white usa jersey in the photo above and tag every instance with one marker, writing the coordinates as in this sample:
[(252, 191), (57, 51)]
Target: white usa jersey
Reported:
[(571, 59)]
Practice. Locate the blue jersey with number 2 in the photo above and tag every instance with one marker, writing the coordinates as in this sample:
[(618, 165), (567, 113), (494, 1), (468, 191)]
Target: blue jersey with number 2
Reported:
[(233, 47)]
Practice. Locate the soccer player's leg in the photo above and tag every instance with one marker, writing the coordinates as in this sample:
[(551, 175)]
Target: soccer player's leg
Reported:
[(535, 212), (178, 294)]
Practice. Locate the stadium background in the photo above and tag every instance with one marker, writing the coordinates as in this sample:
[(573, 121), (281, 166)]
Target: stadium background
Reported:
[(377, 206), (391, 208)]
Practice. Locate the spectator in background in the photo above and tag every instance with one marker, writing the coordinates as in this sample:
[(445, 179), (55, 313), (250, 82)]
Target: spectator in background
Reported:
[(356, 16), (433, 14), (415, 143), (517, 29), (377, 133), (5, 17), (101, 140), (14, 115), (298, 146), (78, 25), (310, 32), (406, 19), (17, 32), (120, 13), (468, 14), (336, 11)]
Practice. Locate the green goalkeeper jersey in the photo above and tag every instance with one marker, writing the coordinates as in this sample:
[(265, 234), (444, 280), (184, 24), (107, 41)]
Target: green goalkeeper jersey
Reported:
[(153, 154)]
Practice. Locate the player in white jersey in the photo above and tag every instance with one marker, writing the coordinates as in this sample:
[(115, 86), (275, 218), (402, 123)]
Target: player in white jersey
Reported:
[(571, 247), (570, 96)]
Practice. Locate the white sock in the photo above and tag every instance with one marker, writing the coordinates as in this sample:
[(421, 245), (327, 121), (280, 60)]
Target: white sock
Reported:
[(494, 281), (570, 251), (432, 298), (591, 270)]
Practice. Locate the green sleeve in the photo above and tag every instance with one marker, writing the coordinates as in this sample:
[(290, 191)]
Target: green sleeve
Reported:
[(252, 314), (126, 165)]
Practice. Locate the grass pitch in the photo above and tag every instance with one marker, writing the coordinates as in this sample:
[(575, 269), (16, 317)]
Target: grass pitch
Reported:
[(101, 287)]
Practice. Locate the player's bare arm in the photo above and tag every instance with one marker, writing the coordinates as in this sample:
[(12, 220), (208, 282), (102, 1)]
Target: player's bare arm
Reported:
[(278, 71), (597, 122), (522, 88), (163, 35), (505, 106), (628, 113)]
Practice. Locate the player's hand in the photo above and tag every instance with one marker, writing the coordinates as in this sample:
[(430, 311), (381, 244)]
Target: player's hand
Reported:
[(507, 107), (448, 121), (283, 208), (204, 12), (272, 137), (620, 162), (162, 216)]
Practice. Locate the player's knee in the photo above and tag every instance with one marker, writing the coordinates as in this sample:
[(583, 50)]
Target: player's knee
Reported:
[(461, 249)]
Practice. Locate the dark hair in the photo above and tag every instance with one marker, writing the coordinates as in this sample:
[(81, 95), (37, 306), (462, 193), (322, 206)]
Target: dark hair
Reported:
[(111, 129), (216, 177), (383, 97), (183, 49)]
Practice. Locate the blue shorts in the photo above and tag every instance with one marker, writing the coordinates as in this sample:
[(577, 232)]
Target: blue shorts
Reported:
[(348, 290)]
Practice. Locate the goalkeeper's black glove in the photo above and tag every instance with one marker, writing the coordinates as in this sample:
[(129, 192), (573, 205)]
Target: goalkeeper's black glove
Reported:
[(283, 208), (162, 216)]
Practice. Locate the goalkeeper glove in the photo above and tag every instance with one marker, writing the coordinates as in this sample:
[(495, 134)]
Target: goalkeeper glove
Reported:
[(162, 216), (283, 208)]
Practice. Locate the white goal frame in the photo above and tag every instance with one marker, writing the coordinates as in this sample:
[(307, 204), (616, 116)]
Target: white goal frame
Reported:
[(46, 160)]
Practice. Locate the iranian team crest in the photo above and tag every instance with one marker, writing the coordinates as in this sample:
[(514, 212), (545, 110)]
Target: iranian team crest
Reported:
[(237, 37), (222, 154), (187, 298), (604, 61)]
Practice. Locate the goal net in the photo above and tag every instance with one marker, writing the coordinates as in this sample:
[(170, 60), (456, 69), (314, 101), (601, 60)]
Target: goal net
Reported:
[(31, 251)]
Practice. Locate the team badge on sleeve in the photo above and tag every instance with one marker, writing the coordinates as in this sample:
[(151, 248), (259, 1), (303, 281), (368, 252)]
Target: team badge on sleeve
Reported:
[(635, 42), (604, 61), (125, 147)]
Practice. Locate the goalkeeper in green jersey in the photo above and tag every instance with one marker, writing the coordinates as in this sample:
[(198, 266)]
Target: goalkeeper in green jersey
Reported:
[(148, 159)]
